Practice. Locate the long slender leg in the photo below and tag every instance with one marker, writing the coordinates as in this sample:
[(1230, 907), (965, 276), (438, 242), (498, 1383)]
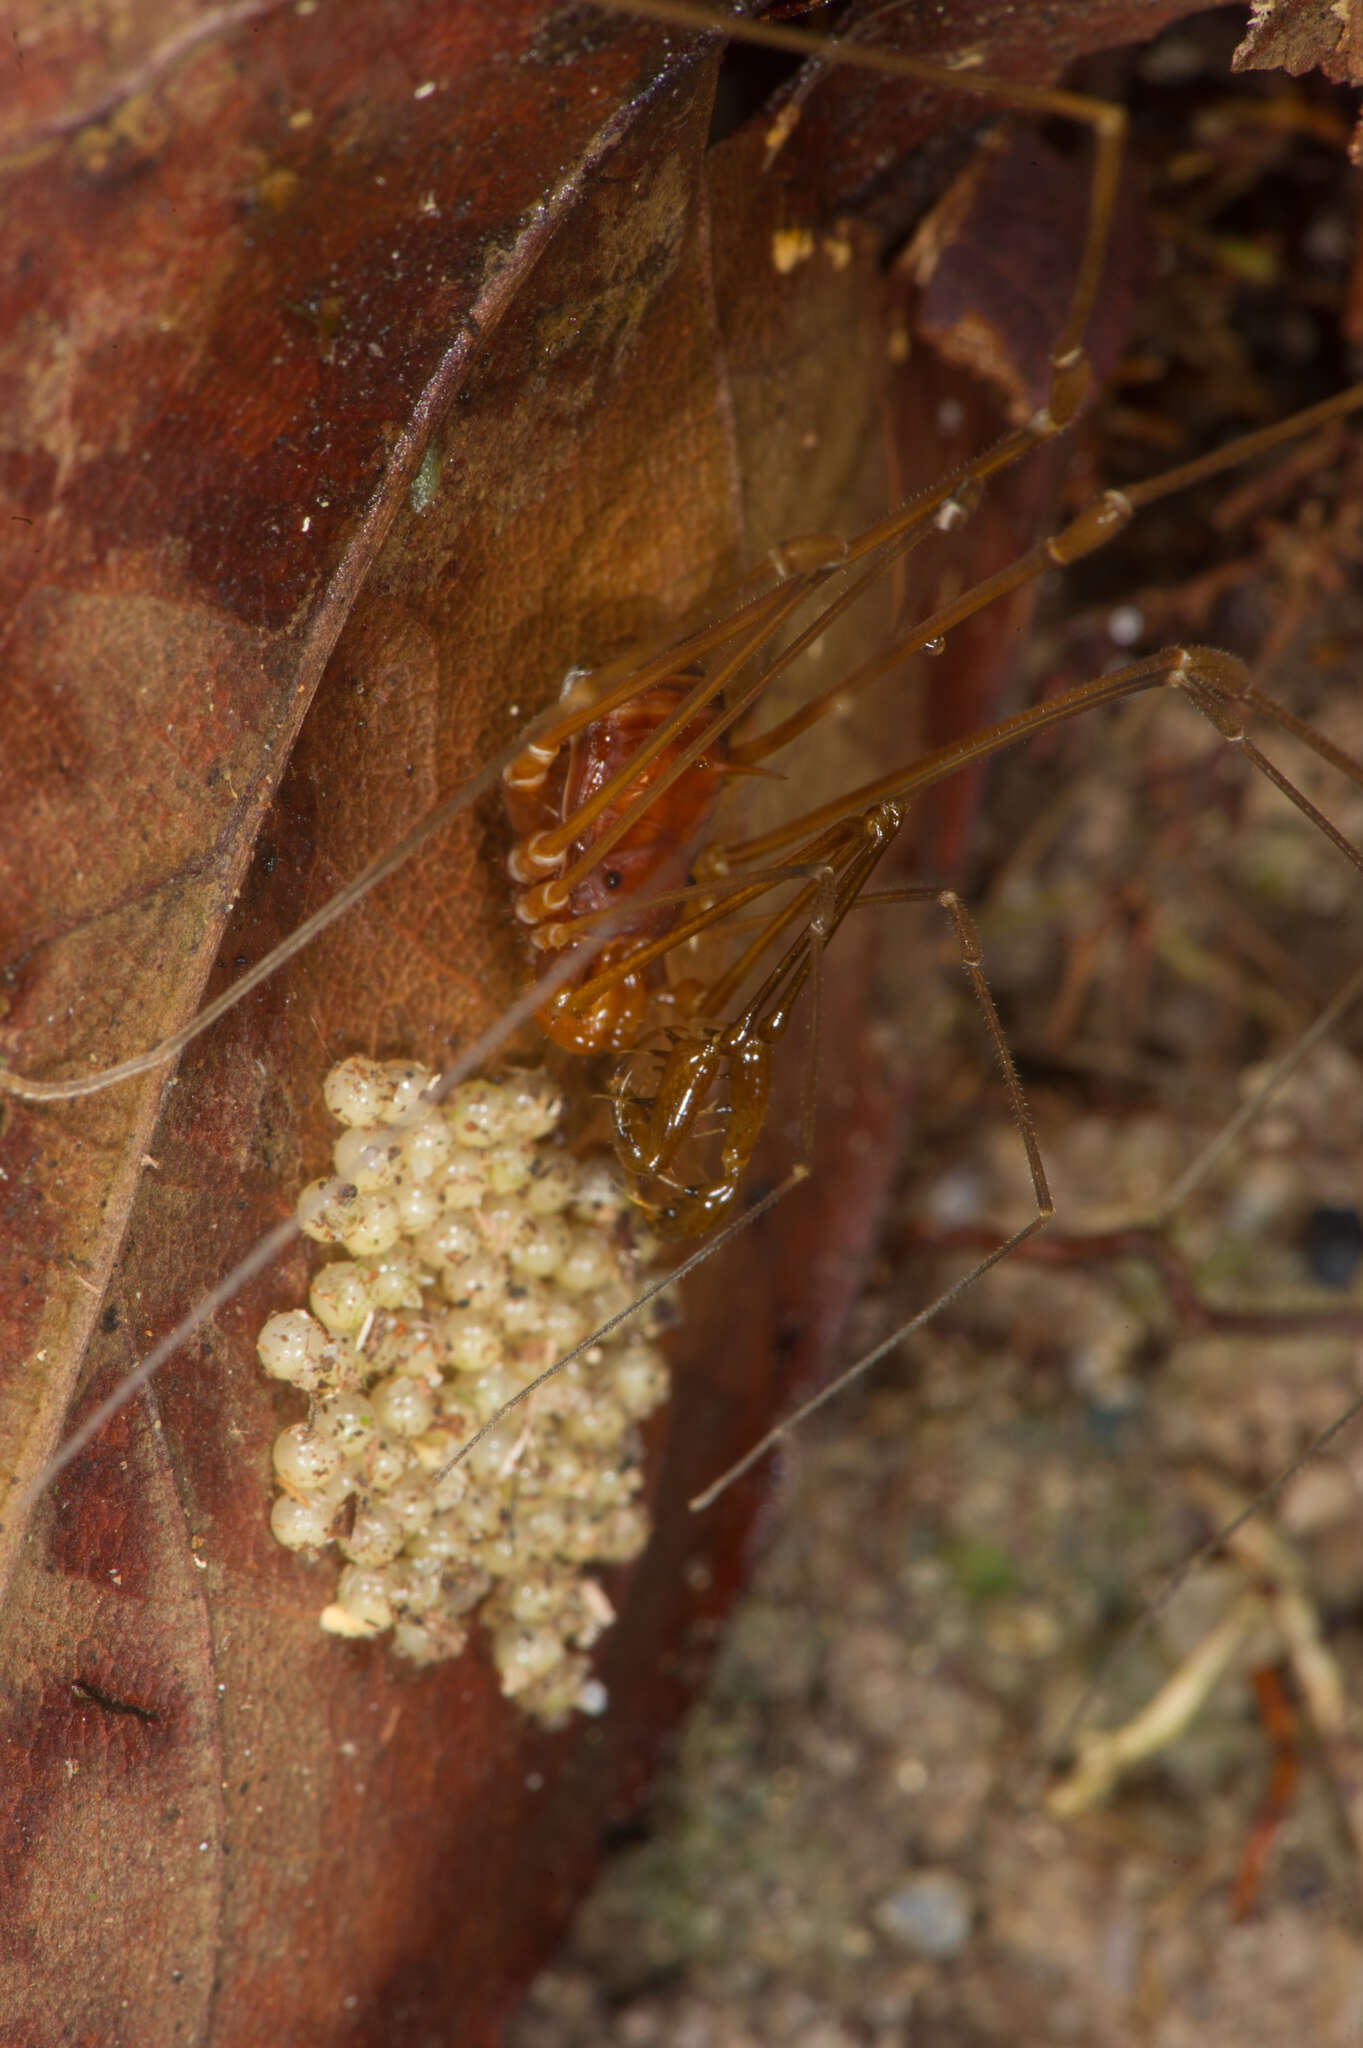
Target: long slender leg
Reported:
[(1107, 124), (1098, 523), (968, 943), (1216, 683), (712, 909), (1069, 384), (810, 566), (378, 870), (820, 927), (652, 1130)]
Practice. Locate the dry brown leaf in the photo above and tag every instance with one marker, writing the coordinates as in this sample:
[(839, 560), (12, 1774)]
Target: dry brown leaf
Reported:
[(1298, 36)]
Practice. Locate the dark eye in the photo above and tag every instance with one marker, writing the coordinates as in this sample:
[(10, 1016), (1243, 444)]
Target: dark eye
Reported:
[(612, 878)]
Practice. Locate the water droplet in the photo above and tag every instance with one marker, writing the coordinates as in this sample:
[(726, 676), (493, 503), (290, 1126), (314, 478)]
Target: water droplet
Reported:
[(1125, 624)]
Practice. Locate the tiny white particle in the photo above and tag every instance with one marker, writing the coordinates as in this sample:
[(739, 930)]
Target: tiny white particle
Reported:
[(957, 1198), (307, 521), (535, 1781), (911, 1776), (1125, 624), (423, 92)]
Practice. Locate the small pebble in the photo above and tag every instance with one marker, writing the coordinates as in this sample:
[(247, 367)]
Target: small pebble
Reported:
[(929, 1916), (1332, 1245)]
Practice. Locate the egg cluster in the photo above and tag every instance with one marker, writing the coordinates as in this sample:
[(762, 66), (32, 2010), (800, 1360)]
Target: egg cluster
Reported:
[(473, 1250)]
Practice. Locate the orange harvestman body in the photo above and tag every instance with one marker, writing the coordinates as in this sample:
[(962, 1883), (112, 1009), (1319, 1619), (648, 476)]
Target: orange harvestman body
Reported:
[(562, 882)]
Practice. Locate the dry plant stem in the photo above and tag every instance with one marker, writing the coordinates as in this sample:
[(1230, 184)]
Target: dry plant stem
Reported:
[(1278, 1595), (1148, 1242), (1280, 1726), (1222, 1540), (1268, 1559), (1105, 1758)]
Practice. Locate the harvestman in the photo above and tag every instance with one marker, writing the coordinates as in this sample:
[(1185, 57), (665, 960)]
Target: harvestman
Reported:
[(826, 856)]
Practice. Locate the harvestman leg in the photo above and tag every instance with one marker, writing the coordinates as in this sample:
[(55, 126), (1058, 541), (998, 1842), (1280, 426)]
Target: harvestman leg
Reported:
[(1217, 684), (901, 529), (800, 560), (968, 944)]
